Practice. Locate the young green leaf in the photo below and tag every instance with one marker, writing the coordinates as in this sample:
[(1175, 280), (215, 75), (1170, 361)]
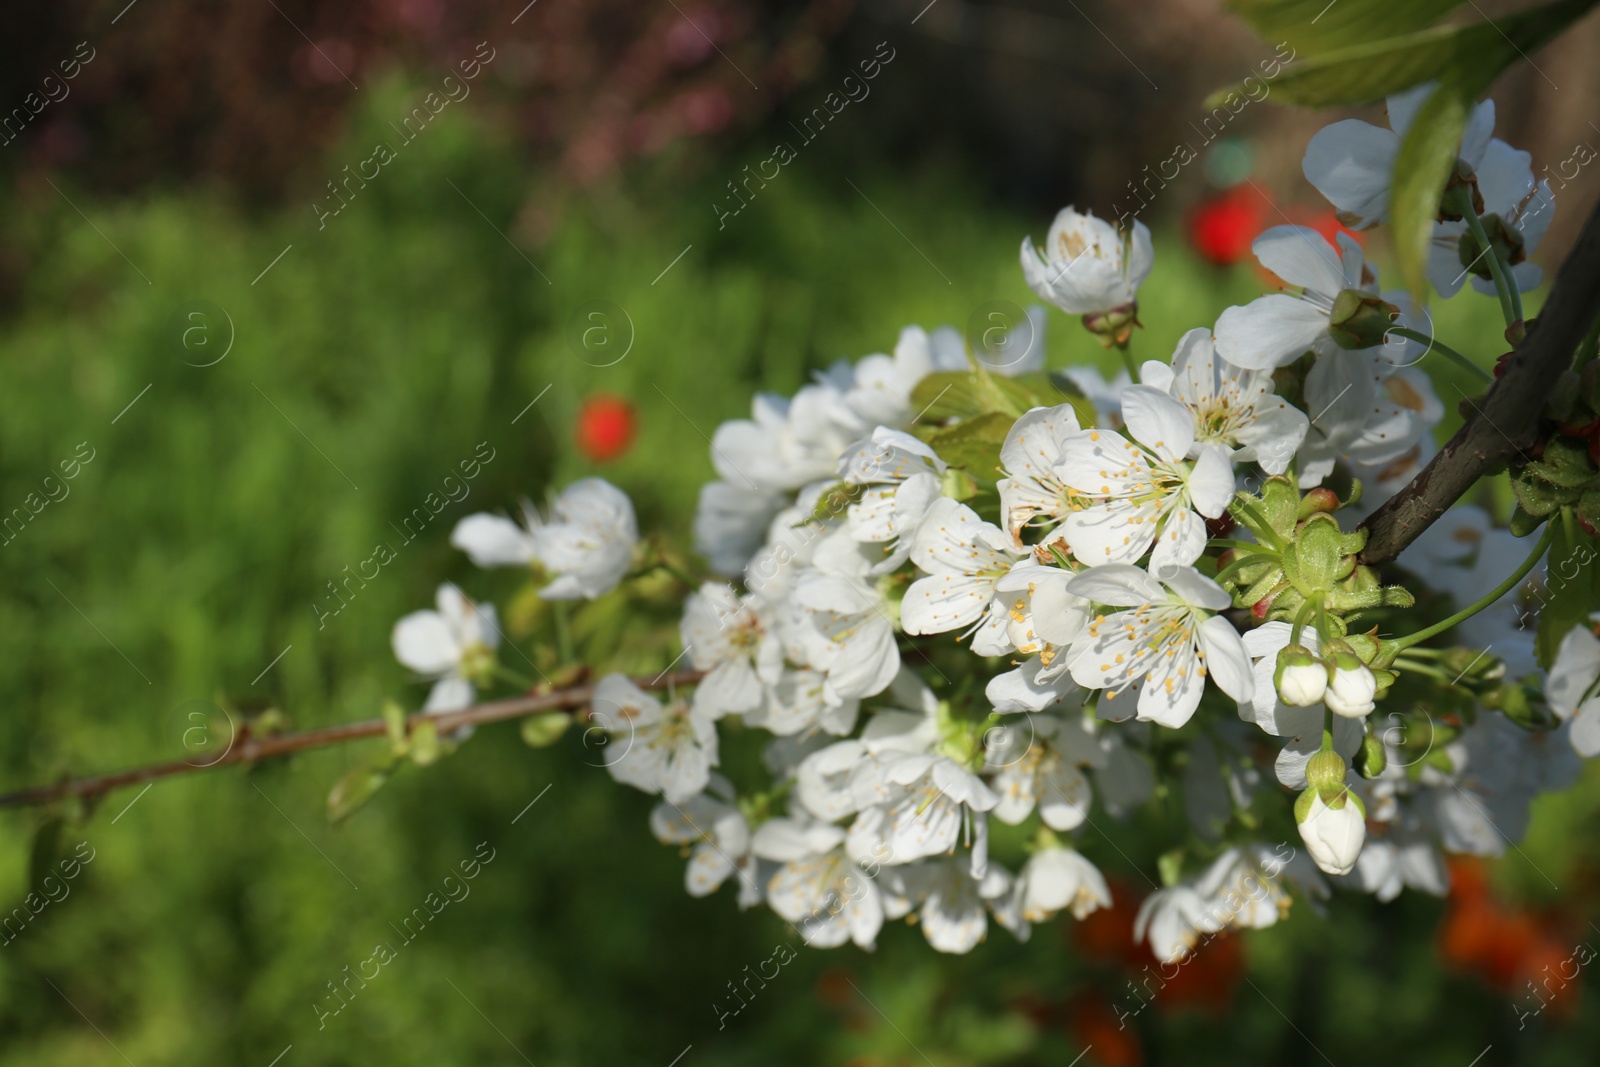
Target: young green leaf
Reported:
[(1426, 159)]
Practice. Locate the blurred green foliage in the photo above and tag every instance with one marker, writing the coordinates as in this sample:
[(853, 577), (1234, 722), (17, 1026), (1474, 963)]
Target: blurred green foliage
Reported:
[(365, 364)]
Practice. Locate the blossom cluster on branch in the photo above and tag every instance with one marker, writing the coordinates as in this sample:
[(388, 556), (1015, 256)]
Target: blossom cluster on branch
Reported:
[(968, 608)]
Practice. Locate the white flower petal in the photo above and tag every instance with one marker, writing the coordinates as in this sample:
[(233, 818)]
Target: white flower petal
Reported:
[(1270, 331)]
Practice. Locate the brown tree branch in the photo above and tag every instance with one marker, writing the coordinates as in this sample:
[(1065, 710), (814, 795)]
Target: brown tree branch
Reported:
[(1507, 423), (250, 750)]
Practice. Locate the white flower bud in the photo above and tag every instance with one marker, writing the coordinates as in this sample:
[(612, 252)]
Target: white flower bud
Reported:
[(1351, 689), (1301, 678), (1333, 835)]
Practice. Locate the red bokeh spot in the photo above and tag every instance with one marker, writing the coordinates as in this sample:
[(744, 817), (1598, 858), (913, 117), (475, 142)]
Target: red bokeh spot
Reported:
[(1223, 227), (606, 427), (1094, 1023)]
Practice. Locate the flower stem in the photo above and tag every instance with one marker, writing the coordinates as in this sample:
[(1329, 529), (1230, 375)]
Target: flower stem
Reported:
[(1504, 284), (1436, 345), (1255, 523), (1493, 595), (1126, 351), (1239, 564), (1302, 617)]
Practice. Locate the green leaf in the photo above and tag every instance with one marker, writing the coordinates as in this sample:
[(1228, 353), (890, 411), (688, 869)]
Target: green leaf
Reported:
[(974, 444), (358, 786), (1524, 522), (1280, 505), (1565, 464), (1320, 24), (947, 395), (967, 394), (425, 748), (1425, 162), (394, 724), (1081, 404), (542, 731), (1536, 498), (1572, 588), (1471, 56)]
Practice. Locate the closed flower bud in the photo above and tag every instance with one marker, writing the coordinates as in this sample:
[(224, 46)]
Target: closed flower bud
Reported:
[(1114, 326), (1351, 689), (1319, 500), (1360, 320), (1373, 757), (1333, 833), (1301, 678)]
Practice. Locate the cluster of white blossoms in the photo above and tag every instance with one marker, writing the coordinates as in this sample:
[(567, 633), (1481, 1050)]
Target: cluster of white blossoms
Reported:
[(966, 602)]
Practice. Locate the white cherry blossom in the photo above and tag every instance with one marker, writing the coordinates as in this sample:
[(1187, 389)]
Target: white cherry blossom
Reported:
[(1365, 410), (1300, 727), (1042, 761), (1334, 835), (1056, 879), (1232, 407), (730, 523), (846, 635), (826, 895), (915, 805), (1086, 266), (1164, 644), (1042, 620), (964, 559), (496, 541), (900, 479), (880, 393), (1506, 183), (797, 703), (452, 645), (953, 904), (1278, 328), (1574, 687), (721, 839), (1388, 865), (668, 750), (725, 635), (1144, 493), (1352, 162), (589, 541), (1032, 492)]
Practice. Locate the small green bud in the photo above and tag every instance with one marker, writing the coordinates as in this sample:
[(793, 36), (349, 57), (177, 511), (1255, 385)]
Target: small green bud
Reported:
[(1505, 239), (1170, 866), (1315, 560), (1326, 769), (1461, 195), (1360, 320), (1115, 326), (1373, 757), (1318, 500)]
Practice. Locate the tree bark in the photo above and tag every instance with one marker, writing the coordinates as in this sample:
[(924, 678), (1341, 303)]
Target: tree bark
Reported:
[(1507, 422)]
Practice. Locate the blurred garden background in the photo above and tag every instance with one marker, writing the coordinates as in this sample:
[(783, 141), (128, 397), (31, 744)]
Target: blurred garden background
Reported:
[(356, 340)]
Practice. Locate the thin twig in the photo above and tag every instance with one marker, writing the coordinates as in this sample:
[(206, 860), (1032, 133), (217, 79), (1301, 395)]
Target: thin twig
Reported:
[(1506, 424), (251, 750)]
